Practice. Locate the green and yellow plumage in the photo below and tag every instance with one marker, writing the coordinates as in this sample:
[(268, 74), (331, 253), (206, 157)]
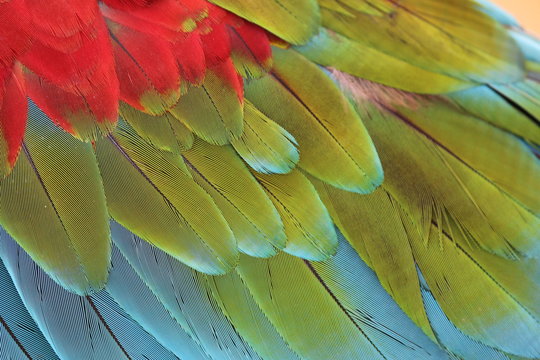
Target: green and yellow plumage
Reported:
[(368, 191)]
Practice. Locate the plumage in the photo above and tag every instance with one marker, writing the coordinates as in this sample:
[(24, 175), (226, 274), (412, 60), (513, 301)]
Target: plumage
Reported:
[(218, 102), (308, 228), (264, 145), (268, 179), (54, 204), (329, 133), (139, 178), (255, 223)]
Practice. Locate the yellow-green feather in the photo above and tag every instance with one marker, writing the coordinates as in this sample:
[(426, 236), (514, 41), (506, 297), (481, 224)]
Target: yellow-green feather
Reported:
[(243, 203), (212, 111), (292, 20), (309, 229), (451, 38), (329, 48), (53, 205), (151, 193), (264, 145), (334, 145)]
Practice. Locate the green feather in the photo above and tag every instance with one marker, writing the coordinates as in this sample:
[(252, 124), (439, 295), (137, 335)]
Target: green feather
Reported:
[(451, 38), (264, 145), (152, 194), (292, 20), (329, 48), (250, 214), (309, 229), (53, 204), (213, 110), (334, 145)]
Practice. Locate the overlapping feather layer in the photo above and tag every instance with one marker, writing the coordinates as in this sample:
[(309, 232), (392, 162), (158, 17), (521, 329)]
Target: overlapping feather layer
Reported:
[(231, 202)]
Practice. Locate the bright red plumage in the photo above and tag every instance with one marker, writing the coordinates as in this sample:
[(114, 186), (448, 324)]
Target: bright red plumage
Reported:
[(80, 58)]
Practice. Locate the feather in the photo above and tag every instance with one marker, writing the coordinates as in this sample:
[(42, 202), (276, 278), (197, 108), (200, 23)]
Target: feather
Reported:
[(451, 38), (372, 224), (477, 303), (84, 120), (525, 95), (251, 52), (292, 20), (216, 44), (485, 103), (75, 83), (137, 343), (500, 157), (190, 57), (69, 322), (133, 295), (18, 331), (329, 48), (13, 113), (253, 219), (145, 84), (186, 295), (421, 172), (14, 24), (158, 130), (213, 111), (332, 140), (53, 204), (151, 193), (334, 309), (471, 285), (75, 326), (264, 145), (309, 229), (451, 337), (240, 308)]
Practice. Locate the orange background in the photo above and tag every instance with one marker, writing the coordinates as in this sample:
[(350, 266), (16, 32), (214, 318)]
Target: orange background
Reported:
[(527, 12)]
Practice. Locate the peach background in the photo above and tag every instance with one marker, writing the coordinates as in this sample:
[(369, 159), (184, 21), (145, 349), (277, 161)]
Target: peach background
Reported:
[(526, 11)]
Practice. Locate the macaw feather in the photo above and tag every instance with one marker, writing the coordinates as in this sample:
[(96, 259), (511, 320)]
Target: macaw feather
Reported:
[(308, 227), (145, 86), (242, 185), (338, 301), (292, 20), (133, 295), (450, 38), (264, 145), (160, 131), (76, 327), (13, 113), (252, 217), (152, 193), (373, 226), (333, 143), (186, 296), (54, 205), (19, 334), (440, 179), (251, 52), (490, 105), (218, 102), (329, 48), (505, 160)]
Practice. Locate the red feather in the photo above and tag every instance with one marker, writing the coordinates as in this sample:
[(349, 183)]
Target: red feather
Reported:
[(14, 22), (13, 113), (190, 56), (251, 46), (74, 84), (146, 84)]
